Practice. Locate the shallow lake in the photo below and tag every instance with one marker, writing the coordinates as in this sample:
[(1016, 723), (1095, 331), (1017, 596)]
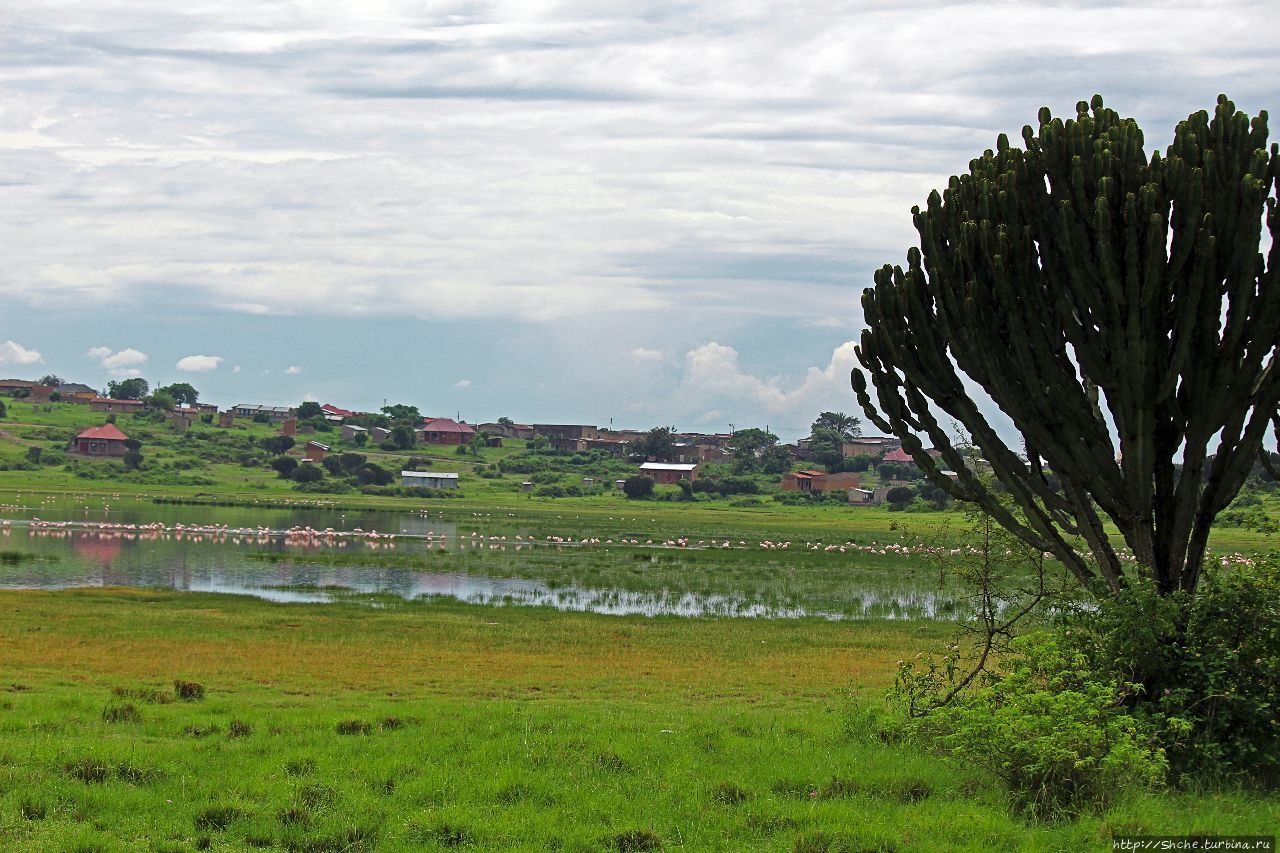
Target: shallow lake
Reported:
[(319, 555)]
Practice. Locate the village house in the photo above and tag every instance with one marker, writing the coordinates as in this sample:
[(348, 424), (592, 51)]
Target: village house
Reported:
[(250, 410), (379, 434), (350, 431), (74, 392), (315, 451), (444, 431), (428, 480), (819, 481), (669, 473), (334, 413), (898, 455), (870, 445), (616, 448), (35, 392), (566, 430), (116, 407), (105, 440), (521, 431)]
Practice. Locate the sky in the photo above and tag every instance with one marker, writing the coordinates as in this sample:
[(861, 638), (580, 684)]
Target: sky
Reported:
[(659, 214)]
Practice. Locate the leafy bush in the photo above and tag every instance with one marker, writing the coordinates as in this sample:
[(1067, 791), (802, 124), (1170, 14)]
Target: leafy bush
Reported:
[(900, 495), (1210, 665), (1048, 727), (638, 487), (307, 474), (284, 465), (277, 443)]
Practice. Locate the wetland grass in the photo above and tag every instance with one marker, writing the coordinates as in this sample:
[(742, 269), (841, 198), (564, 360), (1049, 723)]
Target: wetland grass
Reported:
[(513, 730)]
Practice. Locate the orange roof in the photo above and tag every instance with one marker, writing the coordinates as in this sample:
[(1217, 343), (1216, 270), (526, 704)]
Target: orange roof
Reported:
[(446, 425), (106, 432), (898, 455)]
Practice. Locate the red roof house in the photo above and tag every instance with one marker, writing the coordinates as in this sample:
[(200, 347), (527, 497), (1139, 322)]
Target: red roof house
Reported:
[(105, 440), (332, 411), (444, 431), (898, 455)]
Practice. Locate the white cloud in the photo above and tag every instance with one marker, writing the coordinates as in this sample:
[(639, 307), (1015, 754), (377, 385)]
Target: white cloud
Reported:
[(462, 383), (293, 370), (712, 372), (122, 363), (200, 363), (642, 354), (15, 353)]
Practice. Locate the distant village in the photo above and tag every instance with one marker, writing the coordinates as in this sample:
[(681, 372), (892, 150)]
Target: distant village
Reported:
[(683, 454)]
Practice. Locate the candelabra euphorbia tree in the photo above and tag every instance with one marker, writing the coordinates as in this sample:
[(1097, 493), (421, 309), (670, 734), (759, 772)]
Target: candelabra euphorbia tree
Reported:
[(1118, 308)]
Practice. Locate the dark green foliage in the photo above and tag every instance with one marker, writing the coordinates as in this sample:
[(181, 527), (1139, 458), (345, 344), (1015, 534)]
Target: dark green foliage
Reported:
[(1210, 665), (900, 495), (188, 691), (218, 818), (284, 465), (124, 712), (751, 448), (635, 840), (309, 409), (373, 475), (182, 393), (277, 443), (1076, 275), (307, 474), (88, 770), (638, 486), (353, 727), (403, 437), (658, 445), (128, 389)]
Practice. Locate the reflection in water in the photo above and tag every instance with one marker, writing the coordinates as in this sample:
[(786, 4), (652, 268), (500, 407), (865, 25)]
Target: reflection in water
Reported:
[(258, 561)]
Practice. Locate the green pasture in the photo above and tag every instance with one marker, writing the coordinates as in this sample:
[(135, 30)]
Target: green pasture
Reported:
[(432, 726)]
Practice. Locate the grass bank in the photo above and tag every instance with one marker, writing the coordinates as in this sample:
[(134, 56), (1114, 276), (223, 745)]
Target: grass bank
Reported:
[(437, 726)]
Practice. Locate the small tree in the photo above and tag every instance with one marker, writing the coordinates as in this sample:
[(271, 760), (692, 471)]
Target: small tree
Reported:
[(182, 393), (132, 460), (277, 443), (307, 474), (749, 447), (846, 426), (373, 475), (638, 486), (53, 380), (900, 495), (284, 465), (159, 401), (403, 437), (134, 388), (658, 445), (310, 409)]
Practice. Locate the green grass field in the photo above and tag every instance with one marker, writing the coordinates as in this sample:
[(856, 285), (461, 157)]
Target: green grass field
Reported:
[(430, 726)]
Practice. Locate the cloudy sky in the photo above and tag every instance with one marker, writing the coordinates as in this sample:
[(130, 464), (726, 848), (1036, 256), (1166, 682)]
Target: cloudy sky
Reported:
[(663, 215)]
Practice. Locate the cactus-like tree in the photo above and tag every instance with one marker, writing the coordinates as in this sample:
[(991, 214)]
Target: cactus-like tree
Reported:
[(1117, 308)]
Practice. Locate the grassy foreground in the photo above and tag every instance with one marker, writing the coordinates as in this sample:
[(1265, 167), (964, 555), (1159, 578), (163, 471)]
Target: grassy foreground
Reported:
[(435, 726)]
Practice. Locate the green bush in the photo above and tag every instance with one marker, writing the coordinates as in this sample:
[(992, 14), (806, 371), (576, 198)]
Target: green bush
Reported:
[(307, 474), (638, 487), (1049, 728), (1210, 665)]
